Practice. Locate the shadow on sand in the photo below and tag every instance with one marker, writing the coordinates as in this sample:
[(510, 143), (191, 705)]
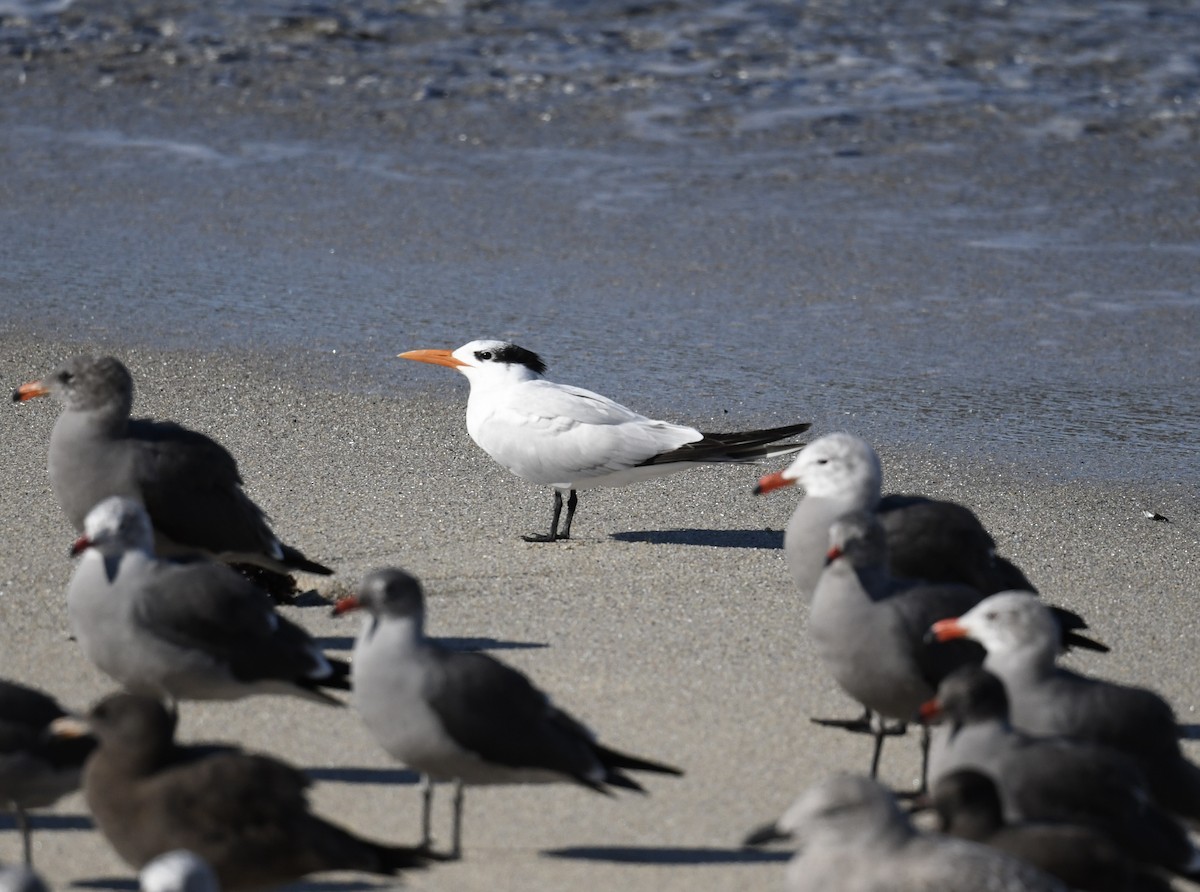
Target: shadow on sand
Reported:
[(715, 538), (346, 642), (39, 821), (659, 855), (349, 775), (127, 884)]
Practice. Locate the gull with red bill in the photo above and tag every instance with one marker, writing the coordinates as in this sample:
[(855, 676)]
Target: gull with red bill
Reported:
[(1053, 778), (1018, 633), (569, 438), (189, 483), (191, 630), (464, 717), (853, 835), (867, 626), (929, 539)]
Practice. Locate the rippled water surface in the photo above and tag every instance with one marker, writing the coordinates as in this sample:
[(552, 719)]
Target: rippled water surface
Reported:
[(971, 226)]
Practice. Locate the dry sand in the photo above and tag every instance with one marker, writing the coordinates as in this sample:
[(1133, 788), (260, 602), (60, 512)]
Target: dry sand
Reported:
[(667, 624)]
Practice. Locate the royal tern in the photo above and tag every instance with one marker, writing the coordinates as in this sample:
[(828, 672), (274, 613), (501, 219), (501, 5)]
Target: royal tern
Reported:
[(188, 482), (569, 438), (245, 814), (464, 717)]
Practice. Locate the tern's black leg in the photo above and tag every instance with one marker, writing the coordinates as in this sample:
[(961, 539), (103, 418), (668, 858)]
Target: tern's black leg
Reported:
[(572, 501), (553, 523)]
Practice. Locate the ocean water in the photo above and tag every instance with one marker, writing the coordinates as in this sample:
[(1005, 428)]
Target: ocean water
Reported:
[(965, 226)]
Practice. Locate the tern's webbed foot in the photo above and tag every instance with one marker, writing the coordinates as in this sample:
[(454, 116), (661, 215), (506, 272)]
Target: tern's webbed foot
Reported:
[(542, 537)]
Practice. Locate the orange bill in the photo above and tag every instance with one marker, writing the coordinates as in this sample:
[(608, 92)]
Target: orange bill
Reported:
[(433, 357)]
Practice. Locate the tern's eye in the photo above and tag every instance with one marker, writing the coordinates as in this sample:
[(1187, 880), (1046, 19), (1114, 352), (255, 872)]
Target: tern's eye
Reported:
[(483, 355), (65, 377)]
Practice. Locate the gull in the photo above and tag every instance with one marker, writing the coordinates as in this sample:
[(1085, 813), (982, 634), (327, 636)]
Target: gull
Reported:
[(195, 629), (569, 438), (464, 716), (969, 807), (1018, 634), (178, 871), (929, 539), (1051, 778), (245, 814), (853, 836), (189, 483), (36, 770), (869, 627)]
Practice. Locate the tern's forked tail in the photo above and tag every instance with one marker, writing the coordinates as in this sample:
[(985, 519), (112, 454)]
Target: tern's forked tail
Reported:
[(740, 446)]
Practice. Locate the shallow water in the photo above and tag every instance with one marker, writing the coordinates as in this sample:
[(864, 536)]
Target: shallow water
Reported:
[(968, 229)]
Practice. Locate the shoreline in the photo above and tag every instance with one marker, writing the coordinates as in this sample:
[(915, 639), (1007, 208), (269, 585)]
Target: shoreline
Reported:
[(668, 624)]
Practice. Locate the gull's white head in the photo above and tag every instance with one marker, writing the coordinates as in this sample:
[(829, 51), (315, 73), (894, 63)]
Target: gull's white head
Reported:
[(116, 524), (485, 360), (178, 871), (1007, 623), (390, 593), (836, 466), (87, 384)]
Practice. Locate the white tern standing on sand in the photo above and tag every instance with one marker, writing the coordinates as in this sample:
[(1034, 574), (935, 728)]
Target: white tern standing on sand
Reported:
[(569, 438)]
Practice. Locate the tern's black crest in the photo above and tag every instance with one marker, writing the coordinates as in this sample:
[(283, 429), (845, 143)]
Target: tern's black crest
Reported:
[(514, 354)]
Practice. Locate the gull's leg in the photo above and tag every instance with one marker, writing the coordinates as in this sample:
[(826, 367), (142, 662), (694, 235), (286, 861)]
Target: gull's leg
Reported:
[(456, 844), (572, 501), (918, 795), (426, 811), (26, 834), (881, 729), (553, 523), (925, 741)]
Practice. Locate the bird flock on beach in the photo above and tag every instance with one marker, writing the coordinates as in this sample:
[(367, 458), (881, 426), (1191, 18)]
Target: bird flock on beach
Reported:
[(1032, 776)]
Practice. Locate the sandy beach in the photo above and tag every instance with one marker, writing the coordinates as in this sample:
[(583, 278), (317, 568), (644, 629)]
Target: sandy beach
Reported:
[(667, 623), (968, 235)]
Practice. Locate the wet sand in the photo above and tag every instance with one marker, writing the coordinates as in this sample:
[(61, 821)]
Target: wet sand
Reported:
[(667, 624)]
